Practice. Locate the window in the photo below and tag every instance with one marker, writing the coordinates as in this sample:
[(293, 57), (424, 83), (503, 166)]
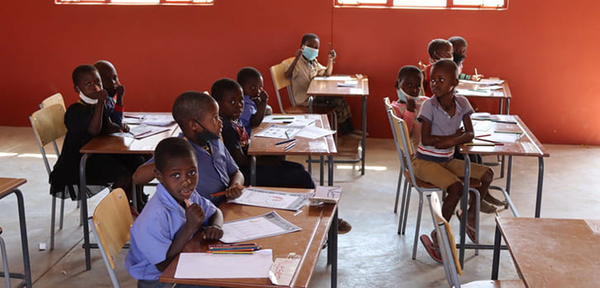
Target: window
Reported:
[(453, 4), (136, 2)]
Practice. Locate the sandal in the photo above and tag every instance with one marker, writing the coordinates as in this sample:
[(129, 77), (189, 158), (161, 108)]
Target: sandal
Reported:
[(471, 232), (433, 251), (486, 208), (494, 201)]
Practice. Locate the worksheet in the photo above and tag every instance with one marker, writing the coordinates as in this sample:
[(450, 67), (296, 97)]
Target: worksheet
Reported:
[(214, 266), (267, 225), (271, 199)]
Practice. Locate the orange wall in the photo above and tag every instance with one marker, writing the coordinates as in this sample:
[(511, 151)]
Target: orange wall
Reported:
[(544, 49)]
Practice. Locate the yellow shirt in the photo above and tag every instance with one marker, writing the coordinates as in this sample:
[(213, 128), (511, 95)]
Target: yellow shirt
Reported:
[(303, 73)]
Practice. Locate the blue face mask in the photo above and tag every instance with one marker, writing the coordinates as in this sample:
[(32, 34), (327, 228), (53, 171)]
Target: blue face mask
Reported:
[(310, 53), (403, 95)]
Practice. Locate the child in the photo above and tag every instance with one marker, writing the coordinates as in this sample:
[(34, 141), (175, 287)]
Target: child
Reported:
[(255, 98), (197, 114), (172, 216), (116, 91), (85, 120), (304, 68), (459, 45), (409, 102), (441, 117), (438, 49), (271, 171)]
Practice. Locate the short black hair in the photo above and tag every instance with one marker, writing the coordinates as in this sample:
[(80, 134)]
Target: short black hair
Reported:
[(191, 105), (307, 36), (457, 40), (80, 70), (447, 65), (436, 44), (170, 148), (409, 69), (247, 73), (221, 86)]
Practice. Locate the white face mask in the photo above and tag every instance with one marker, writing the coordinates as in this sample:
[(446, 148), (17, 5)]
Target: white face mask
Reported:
[(403, 95), (86, 99), (450, 58)]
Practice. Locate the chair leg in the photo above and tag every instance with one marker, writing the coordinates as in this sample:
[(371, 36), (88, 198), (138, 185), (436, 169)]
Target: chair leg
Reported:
[(309, 164), (52, 219), (402, 206), (62, 213), (406, 208), (398, 191), (5, 263), (418, 227)]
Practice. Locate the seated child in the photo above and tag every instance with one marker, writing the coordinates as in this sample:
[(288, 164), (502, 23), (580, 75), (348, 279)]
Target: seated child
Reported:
[(255, 98), (441, 118), (459, 45), (172, 216), (116, 91), (304, 68), (438, 49), (409, 102), (197, 114), (85, 120), (270, 171)]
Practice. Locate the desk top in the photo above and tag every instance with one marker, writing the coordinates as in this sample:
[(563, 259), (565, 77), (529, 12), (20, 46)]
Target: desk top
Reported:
[(328, 86), (127, 145), (553, 252), (504, 92), (526, 145), (304, 146), (307, 243), (8, 185)]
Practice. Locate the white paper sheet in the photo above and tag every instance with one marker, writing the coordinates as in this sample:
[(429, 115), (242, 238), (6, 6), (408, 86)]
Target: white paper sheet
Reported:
[(271, 199), (348, 83), (282, 118), (313, 132), (279, 131), (141, 131), (211, 266), (335, 78), (152, 120), (484, 81), (470, 92), (283, 270), (267, 225)]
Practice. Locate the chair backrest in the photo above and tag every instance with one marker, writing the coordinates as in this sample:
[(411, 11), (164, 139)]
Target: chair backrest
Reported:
[(48, 125), (401, 130), (54, 99), (446, 242), (112, 220), (280, 82), (397, 140)]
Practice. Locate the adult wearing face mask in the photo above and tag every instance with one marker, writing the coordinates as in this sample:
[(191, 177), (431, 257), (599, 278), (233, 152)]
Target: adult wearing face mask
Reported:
[(459, 47)]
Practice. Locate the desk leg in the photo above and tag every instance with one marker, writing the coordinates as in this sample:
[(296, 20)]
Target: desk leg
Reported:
[(501, 105), (330, 170), (24, 243), (364, 135), (463, 207), (332, 249), (84, 212), (321, 172), (507, 107), (538, 200), (253, 171), (496, 259)]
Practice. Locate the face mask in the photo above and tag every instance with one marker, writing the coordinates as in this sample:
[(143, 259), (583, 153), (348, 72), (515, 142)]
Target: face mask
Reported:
[(458, 58), (204, 136), (403, 95), (86, 99), (310, 53)]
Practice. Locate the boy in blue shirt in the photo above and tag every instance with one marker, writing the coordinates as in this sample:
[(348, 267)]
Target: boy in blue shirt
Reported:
[(197, 114), (172, 216), (255, 98)]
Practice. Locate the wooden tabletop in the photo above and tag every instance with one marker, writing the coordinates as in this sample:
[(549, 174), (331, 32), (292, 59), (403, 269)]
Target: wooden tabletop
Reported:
[(304, 146), (553, 252), (8, 185), (127, 145), (526, 145), (307, 243), (504, 92), (328, 86)]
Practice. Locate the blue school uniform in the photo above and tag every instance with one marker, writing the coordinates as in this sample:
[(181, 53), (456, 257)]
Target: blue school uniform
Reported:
[(249, 110), (154, 230)]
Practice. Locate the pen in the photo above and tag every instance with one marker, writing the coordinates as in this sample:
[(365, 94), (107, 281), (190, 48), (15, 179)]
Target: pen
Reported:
[(476, 74), (283, 118), (481, 144), (231, 252), (218, 194), (285, 141), (490, 141), (287, 136), (509, 132), (290, 146)]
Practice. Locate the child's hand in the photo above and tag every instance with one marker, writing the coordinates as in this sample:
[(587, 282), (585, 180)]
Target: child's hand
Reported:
[(444, 143), (411, 105), (120, 91), (234, 191), (213, 233), (194, 215), (124, 127), (332, 54), (300, 51), (476, 77), (101, 95), (261, 97)]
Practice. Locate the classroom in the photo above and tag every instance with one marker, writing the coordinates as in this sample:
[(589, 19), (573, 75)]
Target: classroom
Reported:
[(544, 50)]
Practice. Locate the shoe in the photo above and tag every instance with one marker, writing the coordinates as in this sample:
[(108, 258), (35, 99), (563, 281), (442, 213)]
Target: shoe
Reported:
[(471, 232), (432, 250), (494, 201), (343, 226), (486, 208)]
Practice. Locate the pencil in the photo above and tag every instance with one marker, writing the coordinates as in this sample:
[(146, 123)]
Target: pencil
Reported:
[(283, 118), (508, 132), (285, 141), (218, 194), (480, 144)]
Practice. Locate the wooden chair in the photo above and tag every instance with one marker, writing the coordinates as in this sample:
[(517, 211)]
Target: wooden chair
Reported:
[(111, 222), (54, 99), (4, 261), (447, 247)]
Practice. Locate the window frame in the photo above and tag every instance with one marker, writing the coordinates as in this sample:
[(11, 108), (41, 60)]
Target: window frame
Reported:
[(109, 2), (449, 5)]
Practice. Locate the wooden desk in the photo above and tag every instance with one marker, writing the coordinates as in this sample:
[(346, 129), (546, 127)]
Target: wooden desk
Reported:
[(9, 186), (550, 252), (503, 95), (527, 145), (113, 145), (316, 223), (324, 86), (324, 146)]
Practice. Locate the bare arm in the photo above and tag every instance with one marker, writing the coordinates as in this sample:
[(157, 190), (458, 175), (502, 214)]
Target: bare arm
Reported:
[(330, 61), (261, 106), (143, 174), (95, 125), (289, 72), (236, 185)]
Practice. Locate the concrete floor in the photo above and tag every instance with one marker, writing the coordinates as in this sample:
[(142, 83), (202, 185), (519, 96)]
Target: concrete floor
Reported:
[(371, 255)]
